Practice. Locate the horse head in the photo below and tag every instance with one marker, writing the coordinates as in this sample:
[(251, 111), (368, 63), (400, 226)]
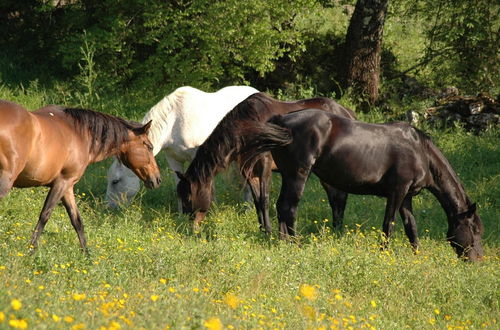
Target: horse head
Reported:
[(465, 234), (137, 154), (195, 197), (123, 184)]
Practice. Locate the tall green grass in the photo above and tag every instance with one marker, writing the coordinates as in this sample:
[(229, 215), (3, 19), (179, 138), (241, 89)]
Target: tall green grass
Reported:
[(148, 269)]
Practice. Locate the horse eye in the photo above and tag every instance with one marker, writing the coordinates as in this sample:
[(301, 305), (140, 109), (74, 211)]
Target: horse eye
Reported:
[(149, 146), (115, 181)]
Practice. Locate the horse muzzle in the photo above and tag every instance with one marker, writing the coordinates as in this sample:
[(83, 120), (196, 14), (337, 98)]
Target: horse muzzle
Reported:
[(153, 183)]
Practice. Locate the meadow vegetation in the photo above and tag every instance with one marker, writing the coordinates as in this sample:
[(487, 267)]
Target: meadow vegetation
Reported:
[(148, 269)]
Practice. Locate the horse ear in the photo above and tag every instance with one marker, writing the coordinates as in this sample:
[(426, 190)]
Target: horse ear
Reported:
[(472, 209), (147, 126), (181, 176), (143, 129)]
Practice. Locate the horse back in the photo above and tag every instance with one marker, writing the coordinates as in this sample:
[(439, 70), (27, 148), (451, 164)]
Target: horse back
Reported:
[(355, 157)]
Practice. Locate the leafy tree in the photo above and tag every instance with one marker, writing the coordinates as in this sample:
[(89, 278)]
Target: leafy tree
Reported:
[(462, 42)]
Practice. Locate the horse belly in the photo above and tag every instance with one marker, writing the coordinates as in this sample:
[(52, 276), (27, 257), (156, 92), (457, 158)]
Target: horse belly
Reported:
[(37, 173), (352, 175)]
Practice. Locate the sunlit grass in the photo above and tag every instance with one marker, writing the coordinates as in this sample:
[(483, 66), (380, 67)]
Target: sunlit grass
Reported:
[(148, 269)]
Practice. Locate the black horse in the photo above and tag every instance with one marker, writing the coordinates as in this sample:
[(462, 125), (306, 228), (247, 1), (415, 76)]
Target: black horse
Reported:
[(392, 160), (223, 147)]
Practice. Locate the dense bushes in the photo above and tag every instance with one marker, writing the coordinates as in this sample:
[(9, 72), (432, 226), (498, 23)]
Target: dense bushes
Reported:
[(295, 45)]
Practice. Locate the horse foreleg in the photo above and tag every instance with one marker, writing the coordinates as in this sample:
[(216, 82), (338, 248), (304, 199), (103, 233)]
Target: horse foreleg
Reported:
[(55, 193), (176, 166), (254, 184), (337, 200), (69, 203), (265, 183), (406, 212), (292, 188)]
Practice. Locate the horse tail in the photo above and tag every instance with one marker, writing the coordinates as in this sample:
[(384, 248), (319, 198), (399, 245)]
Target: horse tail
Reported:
[(263, 137)]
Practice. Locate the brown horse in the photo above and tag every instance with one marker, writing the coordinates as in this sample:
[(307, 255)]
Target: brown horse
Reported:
[(53, 146), (223, 146)]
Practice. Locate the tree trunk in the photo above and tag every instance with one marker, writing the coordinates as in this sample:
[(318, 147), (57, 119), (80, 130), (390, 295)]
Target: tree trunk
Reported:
[(361, 58)]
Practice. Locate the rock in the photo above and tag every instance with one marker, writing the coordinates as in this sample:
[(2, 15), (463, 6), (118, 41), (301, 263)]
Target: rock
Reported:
[(477, 113)]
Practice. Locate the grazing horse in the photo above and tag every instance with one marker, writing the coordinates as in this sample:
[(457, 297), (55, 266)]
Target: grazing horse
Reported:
[(224, 145), (393, 160), (182, 121), (52, 147)]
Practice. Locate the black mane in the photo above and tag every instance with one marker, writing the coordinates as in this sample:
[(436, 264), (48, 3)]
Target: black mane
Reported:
[(106, 131), (225, 139)]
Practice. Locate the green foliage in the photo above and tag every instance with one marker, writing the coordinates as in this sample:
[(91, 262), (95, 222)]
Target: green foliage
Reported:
[(461, 42)]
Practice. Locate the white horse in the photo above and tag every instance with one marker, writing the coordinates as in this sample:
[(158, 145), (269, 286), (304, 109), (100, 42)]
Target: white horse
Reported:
[(182, 121)]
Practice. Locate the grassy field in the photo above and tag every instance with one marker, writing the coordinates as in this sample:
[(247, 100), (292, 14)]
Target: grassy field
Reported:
[(147, 269)]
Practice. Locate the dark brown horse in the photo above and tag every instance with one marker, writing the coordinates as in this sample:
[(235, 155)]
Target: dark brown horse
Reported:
[(223, 146), (53, 146), (394, 161)]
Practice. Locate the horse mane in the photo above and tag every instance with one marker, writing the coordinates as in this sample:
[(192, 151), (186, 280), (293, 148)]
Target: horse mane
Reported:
[(106, 131), (225, 139), (161, 114), (437, 161)]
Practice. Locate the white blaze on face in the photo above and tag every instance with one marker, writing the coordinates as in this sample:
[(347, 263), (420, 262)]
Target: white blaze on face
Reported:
[(123, 185)]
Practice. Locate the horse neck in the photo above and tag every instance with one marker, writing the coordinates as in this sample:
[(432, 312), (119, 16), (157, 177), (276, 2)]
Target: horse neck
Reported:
[(205, 166), (446, 186), (161, 115)]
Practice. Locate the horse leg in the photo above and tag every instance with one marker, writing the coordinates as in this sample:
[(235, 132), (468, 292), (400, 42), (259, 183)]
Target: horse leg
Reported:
[(176, 166), (5, 183), (292, 188), (337, 200), (406, 212), (69, 203), (55, 193), (394, 202), (265, 183), (254, 184)]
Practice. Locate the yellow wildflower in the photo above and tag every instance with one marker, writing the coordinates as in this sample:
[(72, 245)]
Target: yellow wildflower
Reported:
[(231, 300), (309, 292), (56, 318), (16, 304), (79, 296), (373, 303), (2, 317), (78, 326), (113, 325), (213, 323), (18, 324), (68, 319), (154, 297)]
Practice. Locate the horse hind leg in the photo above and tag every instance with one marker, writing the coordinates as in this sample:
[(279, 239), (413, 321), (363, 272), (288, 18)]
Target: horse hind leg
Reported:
[(337, 200), (6, 183)]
